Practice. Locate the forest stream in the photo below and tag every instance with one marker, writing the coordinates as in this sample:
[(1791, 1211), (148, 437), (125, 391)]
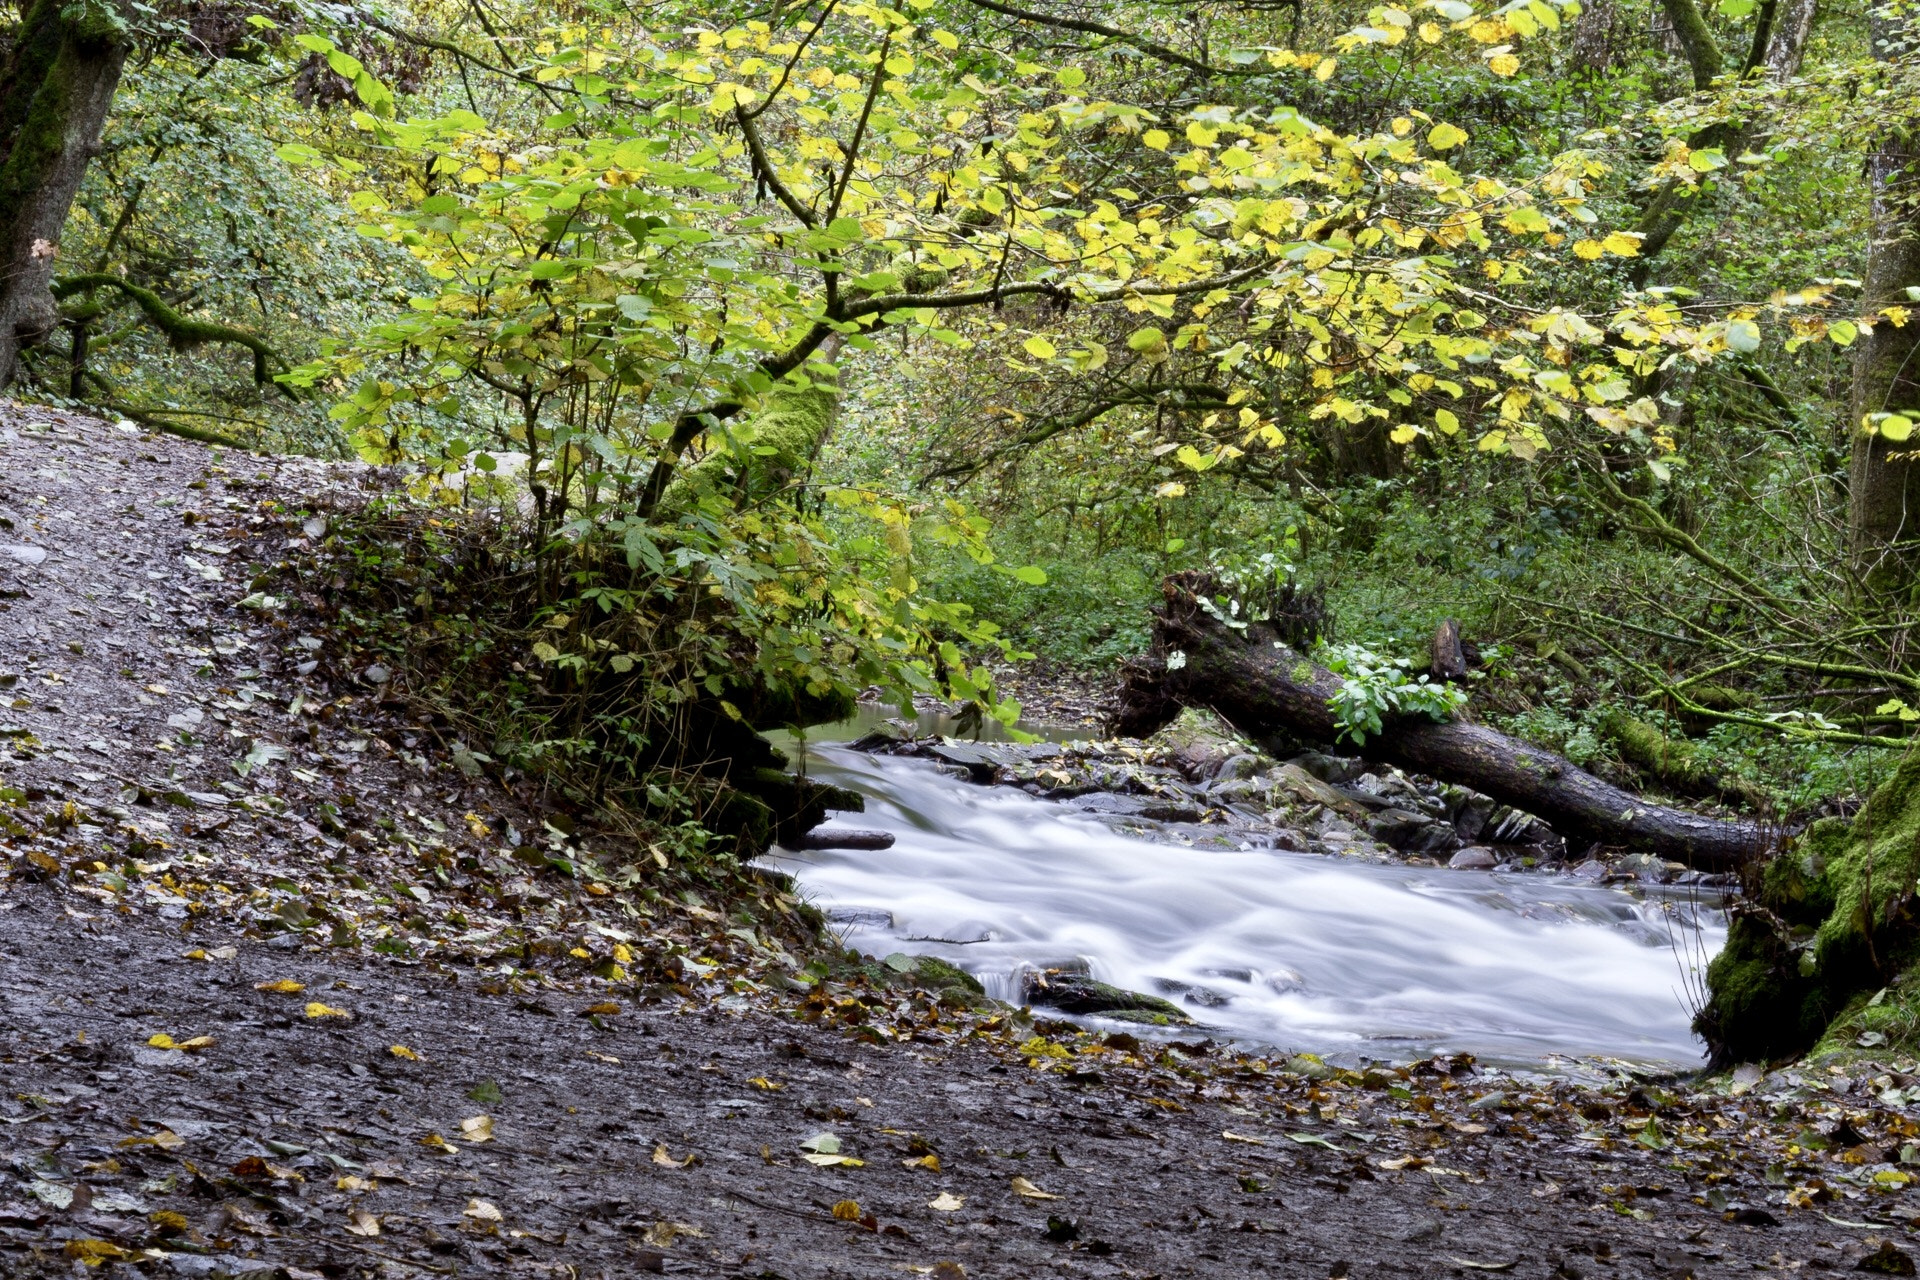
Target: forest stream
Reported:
[(1299, 950)]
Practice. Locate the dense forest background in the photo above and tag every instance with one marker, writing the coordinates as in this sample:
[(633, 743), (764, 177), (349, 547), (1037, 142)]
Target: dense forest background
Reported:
[(857, 345)]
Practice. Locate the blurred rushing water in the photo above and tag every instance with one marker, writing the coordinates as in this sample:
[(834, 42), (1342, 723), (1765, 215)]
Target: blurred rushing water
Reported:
[(1297, 951)]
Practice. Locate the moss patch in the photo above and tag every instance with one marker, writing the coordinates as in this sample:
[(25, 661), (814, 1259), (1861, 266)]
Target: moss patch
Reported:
[(1831, 921), (762, 455)]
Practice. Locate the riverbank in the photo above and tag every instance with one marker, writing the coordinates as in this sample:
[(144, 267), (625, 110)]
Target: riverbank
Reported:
[(297, 987)]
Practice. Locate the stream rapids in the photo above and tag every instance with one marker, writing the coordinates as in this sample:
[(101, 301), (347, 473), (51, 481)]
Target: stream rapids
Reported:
[(1297, 951)]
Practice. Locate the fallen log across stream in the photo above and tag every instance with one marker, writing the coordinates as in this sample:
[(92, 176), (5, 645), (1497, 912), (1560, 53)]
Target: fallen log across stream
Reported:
[(1268, 690)]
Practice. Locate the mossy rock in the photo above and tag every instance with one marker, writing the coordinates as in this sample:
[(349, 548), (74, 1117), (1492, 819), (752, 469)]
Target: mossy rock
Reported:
[(1077, 993), (1200, 742), (954, 984), (1834, 921)]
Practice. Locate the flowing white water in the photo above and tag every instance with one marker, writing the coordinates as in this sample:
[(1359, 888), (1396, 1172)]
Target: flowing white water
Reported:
[(1310, 953)]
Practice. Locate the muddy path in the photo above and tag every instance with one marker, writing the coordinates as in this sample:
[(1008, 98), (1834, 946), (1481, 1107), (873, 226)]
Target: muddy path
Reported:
[(287, 988)]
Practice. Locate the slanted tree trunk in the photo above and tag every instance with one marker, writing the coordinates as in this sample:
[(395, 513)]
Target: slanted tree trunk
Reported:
[(1266, 689), (1884, 494), (55, 92)]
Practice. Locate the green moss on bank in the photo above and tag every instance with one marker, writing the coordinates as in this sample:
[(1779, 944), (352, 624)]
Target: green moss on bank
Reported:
[(1831, 924)]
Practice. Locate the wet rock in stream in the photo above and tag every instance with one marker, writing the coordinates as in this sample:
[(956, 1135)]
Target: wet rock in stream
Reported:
[(1072, 992)]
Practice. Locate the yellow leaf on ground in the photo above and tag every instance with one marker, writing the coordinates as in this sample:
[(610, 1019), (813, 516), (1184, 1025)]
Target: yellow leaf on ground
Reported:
[(166, 1140), (317, 1010), (401, 1051), (946, 1202), (281, 986), (662, 1156), (439, 1144), (1025, 1189), (1231, 1136), (362, 1223), (847, 1211), (195, 1044), (477, 1128), (161, 1041), (761, 1082), (604, 1008), (94, 1252), (928, 1161)]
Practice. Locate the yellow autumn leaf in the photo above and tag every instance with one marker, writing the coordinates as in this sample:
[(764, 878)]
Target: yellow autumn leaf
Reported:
[(661, 1156), (401, 1051), (477, 1128), (1026, 1190), (1039, 348), (161, 1041), (761, 1082), (1156, 139), (317, 1010), (1326, 69), (1444, 136), (929, 1161), (1587, 250), (946, 1202), (440, 1144), (1503, 64), (847, 1211), (362, 1223), (281, 986), (1444, 419), (1404, 434), (1622, 244)]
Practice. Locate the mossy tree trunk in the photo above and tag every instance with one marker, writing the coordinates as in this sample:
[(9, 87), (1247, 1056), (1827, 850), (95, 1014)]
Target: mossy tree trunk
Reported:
[(1884, 498), (55, 92)]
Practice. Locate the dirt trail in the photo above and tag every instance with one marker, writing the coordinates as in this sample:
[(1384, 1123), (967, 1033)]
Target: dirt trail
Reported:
[(383, 1094)]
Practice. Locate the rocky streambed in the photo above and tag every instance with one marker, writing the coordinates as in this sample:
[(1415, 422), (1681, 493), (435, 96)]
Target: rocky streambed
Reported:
[(1196, 784)]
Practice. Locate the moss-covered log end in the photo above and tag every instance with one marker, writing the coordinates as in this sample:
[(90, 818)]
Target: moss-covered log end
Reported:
[(1831, 924)]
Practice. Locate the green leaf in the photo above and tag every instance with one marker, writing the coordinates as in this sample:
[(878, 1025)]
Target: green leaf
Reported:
[(1841, 333), (1031, 574), (1743, 336), (1445, 136), (1039, 348), (1070, 77), (1896, 427)]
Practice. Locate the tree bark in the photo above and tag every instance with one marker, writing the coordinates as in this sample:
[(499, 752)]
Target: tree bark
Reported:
[(1884, 494), (55, 92), (1591, 45), (1267, 690), (1787, 39)]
